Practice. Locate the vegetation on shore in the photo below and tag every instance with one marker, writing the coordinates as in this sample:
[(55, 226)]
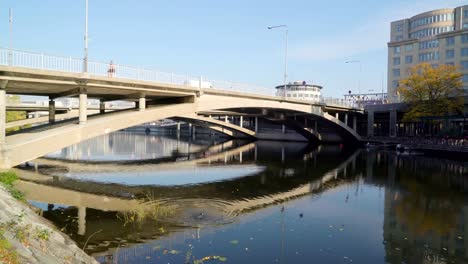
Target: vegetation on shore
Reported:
[(7, 180)]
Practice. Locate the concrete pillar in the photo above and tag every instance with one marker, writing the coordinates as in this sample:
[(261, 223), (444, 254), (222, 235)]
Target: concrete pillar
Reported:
[(81, 221), (194, 130), (370, 123), (256, 124), (337, 116), (51, 111), (346, 119), (102, 107), (315, 126), (226, 119), (240, 157), (241, 121), (255, 153), (283, 155), (190, 129), (392, 123), (283, 129), (178, 126), (83, 108), (355, 123), (2, 114), (141, 104)]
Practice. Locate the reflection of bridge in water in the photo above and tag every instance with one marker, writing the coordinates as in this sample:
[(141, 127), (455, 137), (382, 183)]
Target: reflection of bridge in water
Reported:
[(222, 201)]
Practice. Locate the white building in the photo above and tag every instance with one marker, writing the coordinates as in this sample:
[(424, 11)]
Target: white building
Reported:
[(300, 91)]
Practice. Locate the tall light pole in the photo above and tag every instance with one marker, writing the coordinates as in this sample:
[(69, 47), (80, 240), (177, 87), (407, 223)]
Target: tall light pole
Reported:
[(285, 54), (360, 71), (10, 43), (85, 60)]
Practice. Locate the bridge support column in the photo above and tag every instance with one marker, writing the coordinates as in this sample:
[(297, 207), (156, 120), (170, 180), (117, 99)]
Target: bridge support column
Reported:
[(370, 123), (241, 121), (81, 220), (51, 111), (83, 108), (142, 104), (315, 126), (283, 129), (2, 114), (355, 123), (102, 107), (256, 124), (346, 119), (226, 119), (392, 123), (337, 116)]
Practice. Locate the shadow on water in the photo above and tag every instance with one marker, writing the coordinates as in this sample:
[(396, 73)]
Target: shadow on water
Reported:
[(188, 200)]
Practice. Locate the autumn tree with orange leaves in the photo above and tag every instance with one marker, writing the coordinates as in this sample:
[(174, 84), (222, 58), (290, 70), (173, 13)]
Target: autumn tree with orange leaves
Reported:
[(432, 91)]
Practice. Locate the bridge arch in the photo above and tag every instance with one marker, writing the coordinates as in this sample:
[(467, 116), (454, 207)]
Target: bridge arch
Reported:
[(26, 146)]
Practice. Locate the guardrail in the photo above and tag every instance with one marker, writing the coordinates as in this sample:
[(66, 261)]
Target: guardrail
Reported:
[(43, 61)]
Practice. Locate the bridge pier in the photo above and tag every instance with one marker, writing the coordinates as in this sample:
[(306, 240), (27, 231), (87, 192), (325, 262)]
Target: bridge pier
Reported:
[(51, 110), (256, 124), (392, 123), (141, 104), (102, 107), (346, 119), (354, 122), (83, 117), (241, 121), (370, 123), (2, 113)]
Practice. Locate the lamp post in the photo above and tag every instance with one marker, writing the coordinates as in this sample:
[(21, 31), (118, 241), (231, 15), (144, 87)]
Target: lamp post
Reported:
[(85, 59), (285, 54), (10, 42), (360, 71)]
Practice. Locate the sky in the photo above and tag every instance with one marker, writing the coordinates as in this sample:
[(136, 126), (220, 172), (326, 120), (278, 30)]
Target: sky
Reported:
[(223, 40)]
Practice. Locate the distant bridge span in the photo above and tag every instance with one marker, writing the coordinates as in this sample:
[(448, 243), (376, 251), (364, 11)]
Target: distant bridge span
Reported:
[(155, 101)]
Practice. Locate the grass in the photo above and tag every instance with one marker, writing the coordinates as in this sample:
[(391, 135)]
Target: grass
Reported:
[(7, 255), (7, 180)]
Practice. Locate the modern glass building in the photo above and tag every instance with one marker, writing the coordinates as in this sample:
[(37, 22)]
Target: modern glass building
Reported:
[(435, 37)]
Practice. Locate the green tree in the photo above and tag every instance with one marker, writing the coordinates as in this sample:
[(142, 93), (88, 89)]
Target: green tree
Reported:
[(432, 92)]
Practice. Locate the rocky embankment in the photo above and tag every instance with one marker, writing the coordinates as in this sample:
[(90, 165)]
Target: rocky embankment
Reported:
[(26, 237)]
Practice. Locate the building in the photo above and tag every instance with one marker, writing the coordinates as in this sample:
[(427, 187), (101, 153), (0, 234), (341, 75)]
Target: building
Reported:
[(300, 91), (435, 37)]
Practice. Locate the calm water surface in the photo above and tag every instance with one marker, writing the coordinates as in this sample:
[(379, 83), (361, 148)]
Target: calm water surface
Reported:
[(129, 198)]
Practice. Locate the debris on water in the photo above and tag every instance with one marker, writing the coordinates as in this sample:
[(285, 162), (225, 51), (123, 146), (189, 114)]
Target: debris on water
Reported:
[(341, 229), (398, 249), (158, 247), (460, 237), (301, 215), (234, 242), (246, 249), (444, 249), (220, 258), (330, 226), (174, 252), (251, 238)]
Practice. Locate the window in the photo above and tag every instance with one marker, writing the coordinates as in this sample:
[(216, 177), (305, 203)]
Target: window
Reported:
[(435, 65), (450, 63), (428, 56), (396, 72), (408, 47), (465, 25), (464, 52), (449, 41), (408, 59), (399, 38), (465, 13), (464, 64), (449, 54), (395, 84), (399, 28), (396, 61), (464, 38), (396, 49), (465, 78)]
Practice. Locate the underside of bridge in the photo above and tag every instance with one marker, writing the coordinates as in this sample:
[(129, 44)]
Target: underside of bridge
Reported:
[(232, 113)]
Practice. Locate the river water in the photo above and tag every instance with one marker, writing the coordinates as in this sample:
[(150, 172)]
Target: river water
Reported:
[(134, 198)]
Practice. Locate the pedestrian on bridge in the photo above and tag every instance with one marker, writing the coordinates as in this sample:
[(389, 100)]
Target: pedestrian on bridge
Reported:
[(111, 69)]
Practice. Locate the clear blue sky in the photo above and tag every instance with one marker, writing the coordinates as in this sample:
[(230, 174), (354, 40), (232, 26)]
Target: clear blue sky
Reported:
[(226, 40)]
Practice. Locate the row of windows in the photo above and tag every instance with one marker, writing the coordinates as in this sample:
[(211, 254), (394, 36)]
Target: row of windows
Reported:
[(429, 44), (313, 89), (465, 13), (431, 19), (431, 31), (428, 56), (303, 95)]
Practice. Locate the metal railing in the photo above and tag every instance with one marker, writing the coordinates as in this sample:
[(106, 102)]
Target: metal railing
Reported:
[(35, 60)]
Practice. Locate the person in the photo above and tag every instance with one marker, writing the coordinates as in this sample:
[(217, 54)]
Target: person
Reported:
[(111, 70)]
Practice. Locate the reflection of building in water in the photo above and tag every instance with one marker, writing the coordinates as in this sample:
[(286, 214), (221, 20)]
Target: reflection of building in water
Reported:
[(424, 229)]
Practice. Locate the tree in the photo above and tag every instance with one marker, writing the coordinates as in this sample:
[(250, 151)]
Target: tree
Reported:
[(432, 91)]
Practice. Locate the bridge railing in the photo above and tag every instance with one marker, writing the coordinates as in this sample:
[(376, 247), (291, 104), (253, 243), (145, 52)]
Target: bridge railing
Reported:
[(35, 60)]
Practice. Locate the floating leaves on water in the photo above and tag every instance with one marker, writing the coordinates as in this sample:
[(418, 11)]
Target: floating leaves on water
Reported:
[(246, 249), (161, 229), (234, 242), (200, 261), (174, 252), (330, 226), (341, 229), (444, 249), (460, 237), (158, 247)]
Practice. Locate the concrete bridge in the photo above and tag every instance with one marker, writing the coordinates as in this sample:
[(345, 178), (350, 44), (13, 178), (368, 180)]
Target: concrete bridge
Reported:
[(156, 96)]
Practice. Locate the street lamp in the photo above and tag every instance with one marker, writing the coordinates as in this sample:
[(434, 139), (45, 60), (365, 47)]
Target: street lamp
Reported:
[(285, 54), (360, 71), (85, 60)]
